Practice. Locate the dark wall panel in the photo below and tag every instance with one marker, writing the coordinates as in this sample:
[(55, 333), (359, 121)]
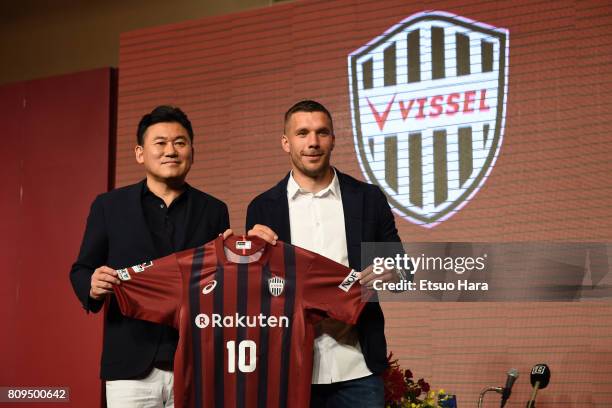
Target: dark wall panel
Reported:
[(59, 153)]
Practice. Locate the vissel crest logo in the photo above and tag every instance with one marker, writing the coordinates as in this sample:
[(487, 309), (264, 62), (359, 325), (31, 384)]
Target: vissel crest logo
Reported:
[(276, 284), (428, 101)]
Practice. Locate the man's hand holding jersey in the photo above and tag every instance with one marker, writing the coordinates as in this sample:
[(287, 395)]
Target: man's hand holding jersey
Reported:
[(103, 278), (264, 232), (367, 276), (102, 281)]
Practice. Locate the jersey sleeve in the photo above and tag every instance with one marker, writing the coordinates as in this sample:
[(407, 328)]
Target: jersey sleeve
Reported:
[(333, 289), (151, 291)]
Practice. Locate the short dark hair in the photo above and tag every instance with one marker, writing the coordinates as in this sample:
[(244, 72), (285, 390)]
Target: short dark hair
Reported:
[(163, 114), (308, 106)]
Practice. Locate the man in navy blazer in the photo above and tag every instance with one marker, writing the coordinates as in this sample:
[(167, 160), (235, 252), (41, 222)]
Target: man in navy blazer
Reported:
[(132, 225), (324, 210)]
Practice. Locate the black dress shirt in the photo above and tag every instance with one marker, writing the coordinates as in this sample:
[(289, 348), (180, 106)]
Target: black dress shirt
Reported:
[(167, 225)]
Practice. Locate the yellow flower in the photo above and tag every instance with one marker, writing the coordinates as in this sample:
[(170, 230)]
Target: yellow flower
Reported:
[(441, 391)]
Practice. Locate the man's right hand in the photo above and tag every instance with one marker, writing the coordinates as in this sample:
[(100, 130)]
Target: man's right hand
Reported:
[(264, 232), (102, 282)]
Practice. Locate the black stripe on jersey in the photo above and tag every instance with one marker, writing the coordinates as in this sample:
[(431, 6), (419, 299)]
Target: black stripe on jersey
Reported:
[(194, 305), (289, 306), (243, 286), (219, 344), (264, 335)]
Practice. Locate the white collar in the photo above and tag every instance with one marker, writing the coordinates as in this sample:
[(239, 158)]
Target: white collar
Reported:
[(293, 188)]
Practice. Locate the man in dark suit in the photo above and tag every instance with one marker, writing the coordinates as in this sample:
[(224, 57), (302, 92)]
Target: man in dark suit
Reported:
[(321, 209), (134, 224)]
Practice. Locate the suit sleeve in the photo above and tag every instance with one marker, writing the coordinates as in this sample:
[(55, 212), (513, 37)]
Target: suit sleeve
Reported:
[(333, 289), (151, 291), (386, 232), (253, 216), (93, 254), (225, 220)]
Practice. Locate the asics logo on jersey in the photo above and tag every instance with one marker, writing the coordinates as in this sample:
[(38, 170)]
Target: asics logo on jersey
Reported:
[(209, 287), (203, 320)]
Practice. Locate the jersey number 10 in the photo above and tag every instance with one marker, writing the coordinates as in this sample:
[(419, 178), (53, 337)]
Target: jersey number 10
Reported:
[(242, 352)]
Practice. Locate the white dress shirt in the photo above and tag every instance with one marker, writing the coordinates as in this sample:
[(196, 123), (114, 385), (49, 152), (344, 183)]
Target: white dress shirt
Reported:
[(317, 224)]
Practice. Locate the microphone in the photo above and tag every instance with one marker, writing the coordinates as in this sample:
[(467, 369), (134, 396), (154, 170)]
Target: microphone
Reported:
[(513, 374), (540, 376)]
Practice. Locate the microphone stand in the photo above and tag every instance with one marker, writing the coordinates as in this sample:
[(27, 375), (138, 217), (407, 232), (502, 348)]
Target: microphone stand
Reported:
[(498, 390), (531, 402)]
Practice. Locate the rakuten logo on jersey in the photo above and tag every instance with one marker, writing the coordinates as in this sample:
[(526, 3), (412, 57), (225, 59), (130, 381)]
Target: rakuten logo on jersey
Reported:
[(203, 320)]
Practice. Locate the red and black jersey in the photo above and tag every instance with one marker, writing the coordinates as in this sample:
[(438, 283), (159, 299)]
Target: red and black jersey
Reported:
[(246, 329)]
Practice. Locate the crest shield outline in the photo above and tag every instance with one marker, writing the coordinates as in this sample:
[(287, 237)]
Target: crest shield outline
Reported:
[(428, 103), (276, 284)]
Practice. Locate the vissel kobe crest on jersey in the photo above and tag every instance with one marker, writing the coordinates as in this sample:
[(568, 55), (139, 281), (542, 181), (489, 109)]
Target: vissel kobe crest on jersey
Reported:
[(428, 103), (276, 285)]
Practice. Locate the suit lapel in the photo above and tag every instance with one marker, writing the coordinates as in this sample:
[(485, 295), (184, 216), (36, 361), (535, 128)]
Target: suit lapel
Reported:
[(281, 202), (196, 204), (138, 216), (352, 204)]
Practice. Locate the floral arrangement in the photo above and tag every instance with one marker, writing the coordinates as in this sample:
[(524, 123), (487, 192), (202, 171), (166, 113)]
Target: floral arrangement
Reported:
[(401, 391)]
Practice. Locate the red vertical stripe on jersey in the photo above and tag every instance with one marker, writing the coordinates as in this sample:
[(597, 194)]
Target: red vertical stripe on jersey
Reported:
[(277, 307), (190, 377), (230, 292), (254, 333), (300, 370), (207, 346)]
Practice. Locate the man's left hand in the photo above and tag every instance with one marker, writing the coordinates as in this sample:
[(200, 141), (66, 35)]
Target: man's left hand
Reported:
[(368, 276)]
